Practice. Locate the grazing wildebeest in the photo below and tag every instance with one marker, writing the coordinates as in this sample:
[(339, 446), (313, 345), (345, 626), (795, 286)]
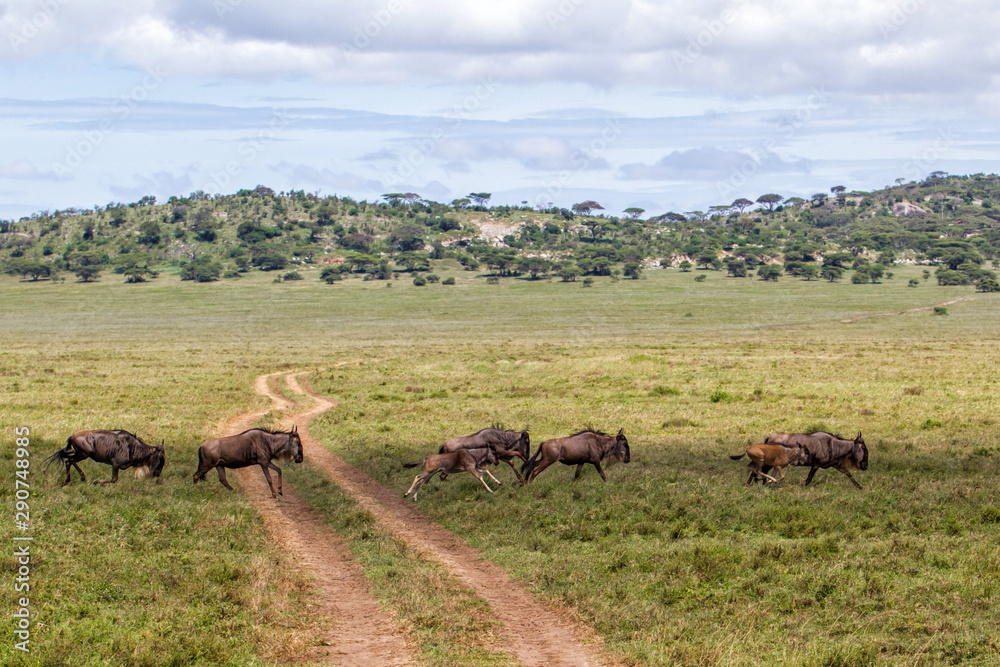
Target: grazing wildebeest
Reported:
[(828, 451), (119, 449), (508, 445), (463, 460), (772, 456), (587, 446), (257, 446)]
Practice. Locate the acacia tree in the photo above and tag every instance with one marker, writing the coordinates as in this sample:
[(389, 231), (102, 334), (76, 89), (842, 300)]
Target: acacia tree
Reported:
[(634, 212), (480, 197), (770, 201), (586, 207), (741, 204)]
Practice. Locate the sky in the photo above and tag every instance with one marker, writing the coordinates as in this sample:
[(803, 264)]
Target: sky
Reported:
[(665, 106)]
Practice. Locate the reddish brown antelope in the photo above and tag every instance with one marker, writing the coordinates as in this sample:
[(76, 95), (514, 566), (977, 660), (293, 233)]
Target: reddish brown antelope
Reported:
[(257, 446), (507, 445), (119, 449), (463, 460), (771, 456), (587, 446)]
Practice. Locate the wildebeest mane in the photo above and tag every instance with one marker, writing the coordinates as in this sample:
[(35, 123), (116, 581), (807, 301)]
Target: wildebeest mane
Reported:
[(264, 429), (832, 435), (589, 429)]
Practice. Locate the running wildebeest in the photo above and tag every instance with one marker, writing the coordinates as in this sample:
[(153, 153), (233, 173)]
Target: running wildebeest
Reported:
[(507, 445), (587, 446), (463, 460), (828, 451), (772, 456), (119, 449), (257, 446)]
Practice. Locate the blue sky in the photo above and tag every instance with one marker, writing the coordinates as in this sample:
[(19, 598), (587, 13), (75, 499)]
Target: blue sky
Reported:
[(665, 106)]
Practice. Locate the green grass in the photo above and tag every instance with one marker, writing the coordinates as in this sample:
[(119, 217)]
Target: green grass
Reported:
[(672, 560)]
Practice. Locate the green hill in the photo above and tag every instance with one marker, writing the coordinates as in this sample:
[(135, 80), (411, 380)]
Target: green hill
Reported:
[(947, 222)]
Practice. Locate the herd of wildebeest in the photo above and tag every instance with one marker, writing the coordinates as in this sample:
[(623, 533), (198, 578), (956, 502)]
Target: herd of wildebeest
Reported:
[(470, 453)]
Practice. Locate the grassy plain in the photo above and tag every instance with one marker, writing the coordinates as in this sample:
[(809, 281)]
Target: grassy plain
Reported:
[(672, 560)]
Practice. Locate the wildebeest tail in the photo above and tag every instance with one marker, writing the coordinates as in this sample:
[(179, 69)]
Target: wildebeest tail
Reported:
[(737, 457), (529, 465), (412, 465), (60, 454)]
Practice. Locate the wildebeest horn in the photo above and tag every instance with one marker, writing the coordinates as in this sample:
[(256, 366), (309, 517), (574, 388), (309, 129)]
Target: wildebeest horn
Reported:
[(621, 431)]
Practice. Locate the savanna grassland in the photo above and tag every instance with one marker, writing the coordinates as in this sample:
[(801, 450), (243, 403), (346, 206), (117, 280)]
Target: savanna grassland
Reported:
[(672, 561)]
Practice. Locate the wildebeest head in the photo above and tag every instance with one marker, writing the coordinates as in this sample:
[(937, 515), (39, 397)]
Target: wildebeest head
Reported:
[(860, 453), (523, 444), (295, 445), (159, 458), (621, 450), (491, 456)]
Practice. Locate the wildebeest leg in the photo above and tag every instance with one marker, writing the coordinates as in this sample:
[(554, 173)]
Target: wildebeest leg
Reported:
[(812, 472), (486, 470), (267, 476), (274, 467), (444, 476), (579, 469), (514, 468), (767, 477), (848, 473), (752, 479), (68, 469), (545, 463), (600, 470), (222, 476), (475, 471), (83, 478), (114, 477)]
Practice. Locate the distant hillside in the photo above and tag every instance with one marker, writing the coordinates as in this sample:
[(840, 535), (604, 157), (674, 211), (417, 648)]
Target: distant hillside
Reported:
[(947, 222)]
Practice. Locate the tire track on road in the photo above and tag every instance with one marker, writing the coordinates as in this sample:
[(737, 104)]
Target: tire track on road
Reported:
[(536, 633), (360, 632)]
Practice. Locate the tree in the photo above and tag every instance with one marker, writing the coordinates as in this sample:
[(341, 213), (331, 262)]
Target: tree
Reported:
[(770, 201), (594, 226), (481, 198), (27, 267), (741, 204), (408, 237), (586, 207), (568, 273), (737, 268), (138, 274), (461, 203), (818, 199), (705, 258), (632, 270), (203, 269), (808, 271), (838, 192), (536, 267), (87, 273), (204, 225), (634, 212), (831, 272), (987, 284), (769, 272), (149, 233), (330, 274), (836, 259), (684, 266)]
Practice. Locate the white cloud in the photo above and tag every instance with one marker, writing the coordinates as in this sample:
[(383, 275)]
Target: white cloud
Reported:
[(25, 170), (710, 163)]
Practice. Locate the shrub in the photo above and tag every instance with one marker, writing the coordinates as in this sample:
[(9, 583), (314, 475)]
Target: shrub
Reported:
[(419, 281), (664, 391), (940, 310), (929, 424), (432, 278), (988, 284), (700, 278), (493, 280), (292, 275), (232, 273), (913, 282), (720, 396), (588, 282), (450, 280)]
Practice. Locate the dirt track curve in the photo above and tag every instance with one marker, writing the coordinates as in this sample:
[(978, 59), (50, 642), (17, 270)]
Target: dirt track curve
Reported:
[(534, 632), (362, 632), (922, 309)]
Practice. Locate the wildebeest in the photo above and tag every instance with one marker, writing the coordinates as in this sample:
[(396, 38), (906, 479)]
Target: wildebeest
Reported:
[(119, 449), (463, 460), (587, 446), (772, 456), (828, 451), (257, 446), (507, 445)]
